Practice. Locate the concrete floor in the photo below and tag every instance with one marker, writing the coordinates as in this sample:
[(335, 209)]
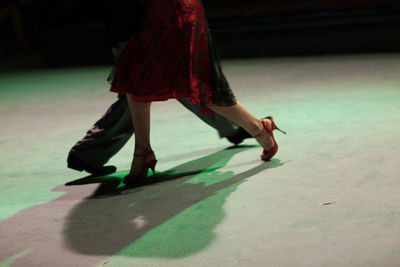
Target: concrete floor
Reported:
[(330, 197)]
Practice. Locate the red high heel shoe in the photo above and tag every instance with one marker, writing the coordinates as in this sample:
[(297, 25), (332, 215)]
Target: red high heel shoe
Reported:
[(268, 154), (146, 165)]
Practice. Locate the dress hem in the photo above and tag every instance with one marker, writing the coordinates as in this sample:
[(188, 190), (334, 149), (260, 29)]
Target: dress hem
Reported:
[(152, 98)]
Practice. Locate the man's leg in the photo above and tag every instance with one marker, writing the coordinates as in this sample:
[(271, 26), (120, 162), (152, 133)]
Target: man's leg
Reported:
[(225, 127), (107, 136)]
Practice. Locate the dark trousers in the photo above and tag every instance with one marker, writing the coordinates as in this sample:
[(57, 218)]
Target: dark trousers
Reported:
[(109, 134)]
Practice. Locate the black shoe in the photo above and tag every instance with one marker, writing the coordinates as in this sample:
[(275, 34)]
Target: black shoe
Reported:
[(80, 165), (239, 136)]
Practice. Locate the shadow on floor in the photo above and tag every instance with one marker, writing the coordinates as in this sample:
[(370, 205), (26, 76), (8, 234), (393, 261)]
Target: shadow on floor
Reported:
[(113, 183), (132, 213), (170, 218)]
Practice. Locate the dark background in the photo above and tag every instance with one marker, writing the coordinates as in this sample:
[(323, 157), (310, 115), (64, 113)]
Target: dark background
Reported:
[(48, 33)]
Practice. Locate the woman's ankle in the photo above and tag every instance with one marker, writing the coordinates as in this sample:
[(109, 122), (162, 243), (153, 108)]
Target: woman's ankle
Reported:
[(264, 138), (141, 150), (256, 128)]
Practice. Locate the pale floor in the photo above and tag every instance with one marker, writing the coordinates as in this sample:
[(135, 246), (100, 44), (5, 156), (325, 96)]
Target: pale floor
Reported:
[(342, 115)]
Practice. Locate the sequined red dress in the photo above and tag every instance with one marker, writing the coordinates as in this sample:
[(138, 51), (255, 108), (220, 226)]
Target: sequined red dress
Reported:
[(173, 55)]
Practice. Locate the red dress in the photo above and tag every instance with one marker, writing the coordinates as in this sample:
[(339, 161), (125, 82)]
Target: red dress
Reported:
[(173, 56)]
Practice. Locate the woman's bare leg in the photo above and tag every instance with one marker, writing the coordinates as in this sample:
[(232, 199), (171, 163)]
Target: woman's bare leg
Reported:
[(140, 113), (242, 117)]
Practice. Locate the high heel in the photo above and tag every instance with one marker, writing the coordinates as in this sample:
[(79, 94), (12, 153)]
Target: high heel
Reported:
[(146, 165), (268, 154)]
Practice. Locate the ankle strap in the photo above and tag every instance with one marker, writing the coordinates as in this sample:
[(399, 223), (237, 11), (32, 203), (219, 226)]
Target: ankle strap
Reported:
[(263, 129), (144, 155), (257, 135)]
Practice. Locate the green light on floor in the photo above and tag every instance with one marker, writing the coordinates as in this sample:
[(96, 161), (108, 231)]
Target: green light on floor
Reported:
[(9, 261)]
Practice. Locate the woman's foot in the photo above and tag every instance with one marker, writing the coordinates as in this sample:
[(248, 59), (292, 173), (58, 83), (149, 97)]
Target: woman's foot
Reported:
[(242, 134), (141, 163), (266, 138), (263, 137)]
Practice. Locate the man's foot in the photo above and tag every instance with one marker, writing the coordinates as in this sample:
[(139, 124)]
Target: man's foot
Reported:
[(80, 165), (239, 136)]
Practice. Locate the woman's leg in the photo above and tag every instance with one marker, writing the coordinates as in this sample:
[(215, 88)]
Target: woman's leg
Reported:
[(140, 113), (242, 117)]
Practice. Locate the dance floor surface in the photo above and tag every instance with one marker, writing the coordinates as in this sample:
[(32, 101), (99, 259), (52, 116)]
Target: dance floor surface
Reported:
[(330, 196)]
